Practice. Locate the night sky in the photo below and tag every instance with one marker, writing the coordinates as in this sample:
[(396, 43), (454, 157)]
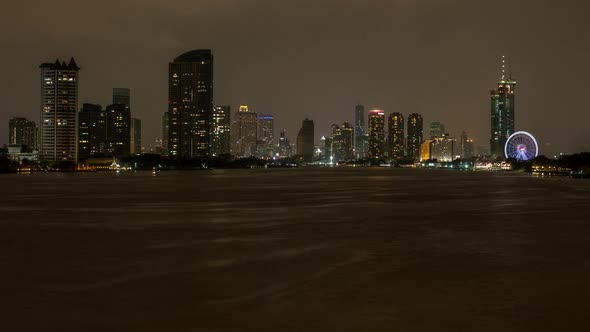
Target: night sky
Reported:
[(317, 59)]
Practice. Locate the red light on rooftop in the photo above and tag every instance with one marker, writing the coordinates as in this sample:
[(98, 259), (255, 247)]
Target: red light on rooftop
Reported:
[(378, 112)]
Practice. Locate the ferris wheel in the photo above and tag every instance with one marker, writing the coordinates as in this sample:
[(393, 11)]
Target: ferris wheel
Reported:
[(522, 146)]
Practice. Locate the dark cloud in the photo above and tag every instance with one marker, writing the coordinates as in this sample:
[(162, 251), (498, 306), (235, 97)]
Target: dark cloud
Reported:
[(316, 59)]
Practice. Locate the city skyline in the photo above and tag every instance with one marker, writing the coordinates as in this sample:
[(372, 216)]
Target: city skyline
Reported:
[(470, 59)]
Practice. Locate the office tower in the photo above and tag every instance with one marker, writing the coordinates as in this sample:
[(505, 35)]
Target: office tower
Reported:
[(342, 142), (246, 132), (396, 135), (502, 115), (426, 150), (164, 140), (466, 147), (376, 134), (361, 142), (220, 136), (284, 145), (190, 104), (135, 136), (91, 131), (443, 149), (437, 129), (415, 134), (59, 111), (118, 130), (122, 96), (328, 154), (305, 139), (266, 135), (22, 131)]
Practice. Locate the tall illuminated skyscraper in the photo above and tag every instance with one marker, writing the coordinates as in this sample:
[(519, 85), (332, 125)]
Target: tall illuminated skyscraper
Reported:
[(266, 136), (220, 136), (376, 134), (361, 142), (59, 111), (118, 130), (502, 112), (396, 135), (341, 141), (246, 132), (92, 131), (190, 104), (415, 135)]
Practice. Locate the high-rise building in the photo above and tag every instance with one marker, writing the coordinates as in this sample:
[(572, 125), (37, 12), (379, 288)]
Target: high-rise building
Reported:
[(92, 124), (190, 104), (443, 149), (305, 140), (118, 130), (437, 129), (376, 134), (122, 96), (415, 136), (361, 142), (266, 135), (59, 111), (466, 147), (220, 136), (502, 112), (284, 145), (165, 126), (396, 136), (246, 132), (135, 136), (22, 131), (426, 150), (342, 142)]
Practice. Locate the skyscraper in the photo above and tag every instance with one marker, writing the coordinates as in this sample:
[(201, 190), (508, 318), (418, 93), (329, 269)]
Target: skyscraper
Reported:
[(396, 135), (135, 136), (190, 104), (342, 142), (266, 135), (415, 135), (502, 112), (360, 140), (220, 136), (305, 140), (22, 132), (246, 132), (376, 134), (122, 96), (284, 145), (118, 130), (466, 147), (91, 131), (59, 111), (437, 129)]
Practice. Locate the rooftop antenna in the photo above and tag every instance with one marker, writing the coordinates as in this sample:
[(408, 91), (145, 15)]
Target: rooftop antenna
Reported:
[(503, 67)]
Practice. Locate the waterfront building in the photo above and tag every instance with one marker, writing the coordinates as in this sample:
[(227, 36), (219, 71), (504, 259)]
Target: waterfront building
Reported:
[(266, 136), (190, 104), (426, 150), (23, 132), (342, 140), (135, 136), (502, 112), (443, 149), (284, 145), (376, 134), (220, 135), (466, 146), (118, 130), (415, 136), (59, 111), (246, 132), (305, 140), (361, 141), (396, 136), (92, 122)]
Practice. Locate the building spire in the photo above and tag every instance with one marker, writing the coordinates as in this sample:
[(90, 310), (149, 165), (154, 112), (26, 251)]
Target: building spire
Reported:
[(503, 68)]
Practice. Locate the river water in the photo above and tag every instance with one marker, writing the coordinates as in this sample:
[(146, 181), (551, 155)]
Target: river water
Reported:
[(343, 249)]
